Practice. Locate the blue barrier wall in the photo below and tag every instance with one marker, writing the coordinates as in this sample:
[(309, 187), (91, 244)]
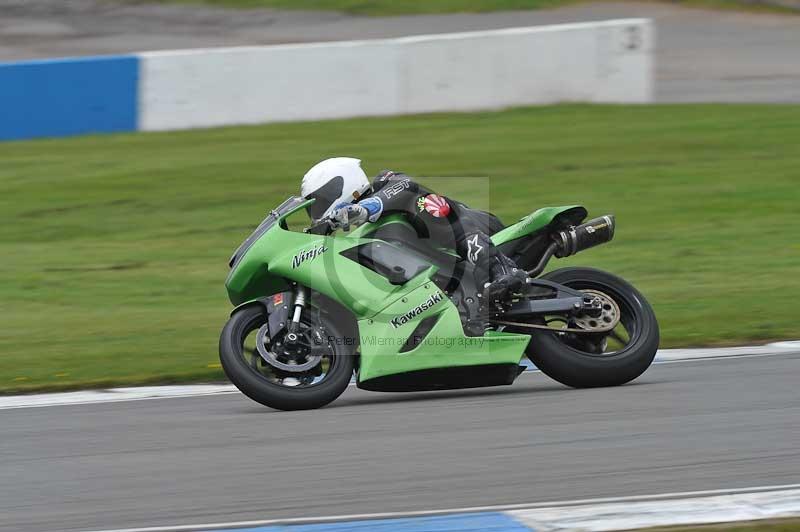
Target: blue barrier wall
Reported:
[(56, 98)]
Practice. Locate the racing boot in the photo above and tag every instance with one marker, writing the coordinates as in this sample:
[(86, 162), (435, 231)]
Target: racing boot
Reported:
[(506, 279), (496, 275)]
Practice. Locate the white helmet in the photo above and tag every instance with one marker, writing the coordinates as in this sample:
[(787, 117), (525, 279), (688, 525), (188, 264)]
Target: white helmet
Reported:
[(331, 182)]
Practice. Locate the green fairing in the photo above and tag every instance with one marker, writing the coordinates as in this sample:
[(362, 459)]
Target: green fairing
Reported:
[(444, 346), (264, 268), (279, 255), (529, 224)]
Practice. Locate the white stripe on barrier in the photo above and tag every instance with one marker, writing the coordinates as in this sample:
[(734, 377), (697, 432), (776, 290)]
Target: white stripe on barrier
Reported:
[(609, 61)]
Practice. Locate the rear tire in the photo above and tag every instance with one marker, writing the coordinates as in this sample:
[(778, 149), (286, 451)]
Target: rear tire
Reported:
[(579, 369), (258, 388)]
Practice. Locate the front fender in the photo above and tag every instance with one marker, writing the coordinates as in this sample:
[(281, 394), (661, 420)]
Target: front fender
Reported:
[(277, 308)]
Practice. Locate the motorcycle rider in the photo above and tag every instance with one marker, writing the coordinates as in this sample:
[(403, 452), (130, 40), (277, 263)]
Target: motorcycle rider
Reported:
[(345, 197)]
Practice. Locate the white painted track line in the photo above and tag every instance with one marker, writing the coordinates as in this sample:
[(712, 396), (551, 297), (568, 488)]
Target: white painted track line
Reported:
[(779, 348), (140, 393), (647, 514), (113, 395), (788, 497)]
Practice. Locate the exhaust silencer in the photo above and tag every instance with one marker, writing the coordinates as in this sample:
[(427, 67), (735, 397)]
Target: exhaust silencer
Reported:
[(592, 233)]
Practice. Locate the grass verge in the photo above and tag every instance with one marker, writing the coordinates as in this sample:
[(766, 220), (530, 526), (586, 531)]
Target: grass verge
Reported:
[(114, 248), (782, 525)]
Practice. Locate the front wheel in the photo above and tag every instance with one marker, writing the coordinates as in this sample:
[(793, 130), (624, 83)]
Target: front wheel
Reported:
[(608, 358), (306, 378)]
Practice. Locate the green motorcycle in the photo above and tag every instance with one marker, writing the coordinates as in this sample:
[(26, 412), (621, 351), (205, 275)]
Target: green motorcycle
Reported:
[(314, 307)]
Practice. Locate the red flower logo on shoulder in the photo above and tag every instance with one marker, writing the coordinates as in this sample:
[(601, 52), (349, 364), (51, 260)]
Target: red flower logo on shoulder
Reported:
[(435, 205)]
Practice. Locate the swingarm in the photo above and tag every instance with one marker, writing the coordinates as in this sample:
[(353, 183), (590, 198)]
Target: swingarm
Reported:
[(547, 297)]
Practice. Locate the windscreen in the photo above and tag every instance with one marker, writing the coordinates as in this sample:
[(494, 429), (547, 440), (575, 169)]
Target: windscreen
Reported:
[(285, 207)]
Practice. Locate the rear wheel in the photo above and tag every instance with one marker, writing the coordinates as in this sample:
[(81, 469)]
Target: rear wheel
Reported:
[(621, 350), (314, 373)]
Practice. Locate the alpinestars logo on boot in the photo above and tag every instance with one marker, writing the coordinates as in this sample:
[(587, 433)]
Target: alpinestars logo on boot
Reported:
[(416, 311), (307, 255), (474, 249)]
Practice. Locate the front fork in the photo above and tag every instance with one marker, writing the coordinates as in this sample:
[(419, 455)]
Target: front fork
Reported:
[(301, 297)]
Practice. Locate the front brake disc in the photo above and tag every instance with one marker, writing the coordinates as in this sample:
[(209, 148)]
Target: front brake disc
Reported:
[(271, 358)]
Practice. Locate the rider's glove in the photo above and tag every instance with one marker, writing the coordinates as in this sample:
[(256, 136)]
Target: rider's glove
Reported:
[(349, 214)]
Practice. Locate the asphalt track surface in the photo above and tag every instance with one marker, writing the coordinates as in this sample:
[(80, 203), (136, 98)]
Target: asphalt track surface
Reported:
[(701, 55), (693, 425)]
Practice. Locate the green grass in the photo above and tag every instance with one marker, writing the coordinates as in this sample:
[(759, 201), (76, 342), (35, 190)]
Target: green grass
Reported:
[(114, 248), (419, 7), (787, 525)]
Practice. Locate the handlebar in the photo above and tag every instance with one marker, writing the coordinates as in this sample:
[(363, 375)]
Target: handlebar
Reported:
[(321, 227)]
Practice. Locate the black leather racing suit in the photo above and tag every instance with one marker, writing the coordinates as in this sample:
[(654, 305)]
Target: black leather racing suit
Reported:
[(448, 223)]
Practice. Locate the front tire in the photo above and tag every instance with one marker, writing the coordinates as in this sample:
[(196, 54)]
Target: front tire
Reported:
[(565, 361), (246, 377)]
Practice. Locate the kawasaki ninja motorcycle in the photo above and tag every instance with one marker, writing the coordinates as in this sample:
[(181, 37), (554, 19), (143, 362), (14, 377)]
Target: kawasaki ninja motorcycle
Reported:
[(313, 308)]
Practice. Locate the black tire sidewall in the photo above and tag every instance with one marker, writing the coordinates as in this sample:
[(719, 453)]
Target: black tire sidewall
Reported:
[(273, 395), (574, 368)]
